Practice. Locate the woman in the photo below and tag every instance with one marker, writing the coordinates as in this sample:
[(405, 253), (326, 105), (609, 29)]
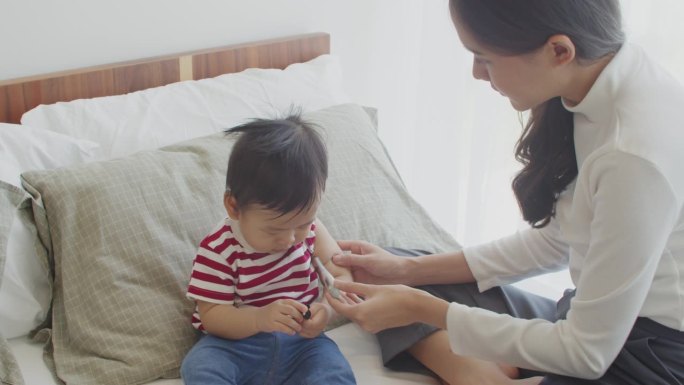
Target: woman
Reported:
[(600, 186)]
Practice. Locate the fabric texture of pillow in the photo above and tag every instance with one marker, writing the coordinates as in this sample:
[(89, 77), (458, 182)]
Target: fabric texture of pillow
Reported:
[(159, 116), (25, 292), (10, 197), (122, 234)]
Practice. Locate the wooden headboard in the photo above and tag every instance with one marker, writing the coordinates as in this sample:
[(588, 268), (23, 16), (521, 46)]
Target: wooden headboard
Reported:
[(20, 95)]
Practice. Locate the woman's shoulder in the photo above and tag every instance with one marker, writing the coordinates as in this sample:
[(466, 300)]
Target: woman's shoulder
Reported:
[(646, 82)]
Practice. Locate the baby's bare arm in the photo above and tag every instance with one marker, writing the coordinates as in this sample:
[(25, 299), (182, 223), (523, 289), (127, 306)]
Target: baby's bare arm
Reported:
[(228, 321), (324, 248)]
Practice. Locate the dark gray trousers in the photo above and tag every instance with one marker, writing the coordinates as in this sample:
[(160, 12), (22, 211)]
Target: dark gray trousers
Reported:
[(652, 355)]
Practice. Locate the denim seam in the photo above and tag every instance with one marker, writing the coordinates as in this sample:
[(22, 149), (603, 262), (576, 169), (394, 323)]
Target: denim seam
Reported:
[(275, 360)]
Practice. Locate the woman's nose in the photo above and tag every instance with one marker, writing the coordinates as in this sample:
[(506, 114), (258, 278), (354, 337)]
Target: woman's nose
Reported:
[(480, 71)]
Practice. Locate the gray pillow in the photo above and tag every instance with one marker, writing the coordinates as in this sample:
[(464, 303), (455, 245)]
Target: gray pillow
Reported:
[(10, 197), (122, 234)]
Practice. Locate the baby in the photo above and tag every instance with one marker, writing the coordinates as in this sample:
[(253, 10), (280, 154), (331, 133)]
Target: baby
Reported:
[(254, 280)]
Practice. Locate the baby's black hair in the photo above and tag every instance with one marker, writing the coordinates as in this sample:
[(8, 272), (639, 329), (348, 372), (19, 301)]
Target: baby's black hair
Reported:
[(281, 164)]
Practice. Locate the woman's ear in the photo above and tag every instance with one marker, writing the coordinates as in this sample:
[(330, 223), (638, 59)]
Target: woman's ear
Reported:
[(231, 206), (561, 49)]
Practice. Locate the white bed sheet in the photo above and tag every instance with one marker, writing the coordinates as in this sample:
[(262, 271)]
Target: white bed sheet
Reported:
[(360, 348)]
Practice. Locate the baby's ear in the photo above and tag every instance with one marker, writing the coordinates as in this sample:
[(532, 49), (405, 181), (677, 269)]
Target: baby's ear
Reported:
[(230, 203)]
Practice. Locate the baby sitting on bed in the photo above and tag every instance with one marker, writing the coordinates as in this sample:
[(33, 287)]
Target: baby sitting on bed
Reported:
[(253, 278)]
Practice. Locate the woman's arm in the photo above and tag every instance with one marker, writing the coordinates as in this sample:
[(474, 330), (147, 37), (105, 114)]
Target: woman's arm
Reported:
[(623, 228), (441, 268), (388, 306), (373, 264)]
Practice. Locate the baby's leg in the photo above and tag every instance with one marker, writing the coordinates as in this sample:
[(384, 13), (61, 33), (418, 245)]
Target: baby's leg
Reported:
[(215, 360), (317, 361)]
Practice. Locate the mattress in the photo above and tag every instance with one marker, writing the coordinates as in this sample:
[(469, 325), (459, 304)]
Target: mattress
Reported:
[(360, 348)]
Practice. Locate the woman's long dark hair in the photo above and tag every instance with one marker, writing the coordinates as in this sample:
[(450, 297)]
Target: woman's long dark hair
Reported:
[(546, 147)]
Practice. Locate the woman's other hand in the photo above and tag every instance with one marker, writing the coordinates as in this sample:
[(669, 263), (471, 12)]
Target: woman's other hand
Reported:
[(388, 306), (371, 264)]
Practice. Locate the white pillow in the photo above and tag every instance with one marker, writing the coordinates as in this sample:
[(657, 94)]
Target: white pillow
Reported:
[(24, 290), (159, 116)]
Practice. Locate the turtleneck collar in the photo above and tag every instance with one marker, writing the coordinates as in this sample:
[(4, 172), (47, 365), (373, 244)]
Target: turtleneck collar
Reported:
[(597, 105)]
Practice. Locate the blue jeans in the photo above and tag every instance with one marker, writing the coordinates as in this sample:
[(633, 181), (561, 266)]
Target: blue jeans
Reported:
[(266, 358)]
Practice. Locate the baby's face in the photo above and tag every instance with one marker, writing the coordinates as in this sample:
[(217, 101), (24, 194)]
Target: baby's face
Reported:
[(268, 231)]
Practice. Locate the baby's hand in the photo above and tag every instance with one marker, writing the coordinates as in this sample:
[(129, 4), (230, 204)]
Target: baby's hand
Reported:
[(320, 315), (283, 315)]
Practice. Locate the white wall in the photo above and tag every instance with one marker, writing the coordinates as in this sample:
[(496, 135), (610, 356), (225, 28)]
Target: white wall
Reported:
[(42, 35)]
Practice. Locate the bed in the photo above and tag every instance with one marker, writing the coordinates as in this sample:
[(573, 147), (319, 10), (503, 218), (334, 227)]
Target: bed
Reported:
[(110, 175)]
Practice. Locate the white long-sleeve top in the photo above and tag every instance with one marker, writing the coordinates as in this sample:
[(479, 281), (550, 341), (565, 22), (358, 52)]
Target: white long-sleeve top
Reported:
[(619, 227)]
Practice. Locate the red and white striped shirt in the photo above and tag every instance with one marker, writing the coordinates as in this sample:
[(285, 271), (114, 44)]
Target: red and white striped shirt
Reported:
[(227, 271)]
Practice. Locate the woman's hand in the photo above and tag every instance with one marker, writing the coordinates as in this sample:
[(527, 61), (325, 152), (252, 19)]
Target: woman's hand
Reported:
[(387, 306), (371, 264)]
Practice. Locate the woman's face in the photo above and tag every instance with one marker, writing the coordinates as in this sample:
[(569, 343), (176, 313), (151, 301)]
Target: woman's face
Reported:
[(526, 79)]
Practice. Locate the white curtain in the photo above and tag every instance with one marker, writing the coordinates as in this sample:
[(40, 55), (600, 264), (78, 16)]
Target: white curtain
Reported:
[(453, 138)]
